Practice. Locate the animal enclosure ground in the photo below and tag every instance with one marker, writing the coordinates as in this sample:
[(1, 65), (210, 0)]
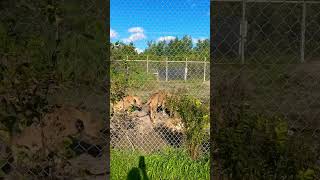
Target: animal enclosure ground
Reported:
[(197, 89)]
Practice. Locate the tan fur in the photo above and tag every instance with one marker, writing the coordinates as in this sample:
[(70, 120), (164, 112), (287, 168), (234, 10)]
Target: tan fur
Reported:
[(125, 103), (175, 123), (157, 100)]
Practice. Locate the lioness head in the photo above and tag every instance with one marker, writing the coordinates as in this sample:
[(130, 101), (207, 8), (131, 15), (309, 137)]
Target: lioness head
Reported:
[(137, 102)]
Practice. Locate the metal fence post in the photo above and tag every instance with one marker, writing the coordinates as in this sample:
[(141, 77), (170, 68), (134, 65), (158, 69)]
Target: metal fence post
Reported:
[(147, 64), (186, 70), (127, 69), (303, 32), (166, 68), (243, 29), (204, 69)]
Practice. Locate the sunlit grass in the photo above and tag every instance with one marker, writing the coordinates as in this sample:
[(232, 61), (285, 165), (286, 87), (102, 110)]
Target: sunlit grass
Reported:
[(169, 164)]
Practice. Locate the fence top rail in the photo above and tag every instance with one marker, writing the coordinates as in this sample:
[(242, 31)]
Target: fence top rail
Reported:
[(160, 61), (270, 1)]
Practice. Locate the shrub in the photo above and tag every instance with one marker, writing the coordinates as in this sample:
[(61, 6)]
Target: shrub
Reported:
[(258, 147), (126, 75), (195, 117)]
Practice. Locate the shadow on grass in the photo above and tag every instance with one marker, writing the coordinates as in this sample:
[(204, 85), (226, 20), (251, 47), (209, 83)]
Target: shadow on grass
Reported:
[(138, 173)]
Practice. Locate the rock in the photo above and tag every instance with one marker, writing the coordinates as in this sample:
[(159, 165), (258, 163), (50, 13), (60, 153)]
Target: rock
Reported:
[(139, 114), (144, 124)]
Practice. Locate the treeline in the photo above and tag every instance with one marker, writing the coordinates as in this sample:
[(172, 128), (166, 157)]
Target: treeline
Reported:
[(176, 49)]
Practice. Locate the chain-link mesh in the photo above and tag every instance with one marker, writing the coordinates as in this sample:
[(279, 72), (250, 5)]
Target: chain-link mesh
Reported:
[(265, 57), (163, 63), (52, 105)]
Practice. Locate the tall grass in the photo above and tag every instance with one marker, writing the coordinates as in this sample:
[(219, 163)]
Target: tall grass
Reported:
[(168, 164)]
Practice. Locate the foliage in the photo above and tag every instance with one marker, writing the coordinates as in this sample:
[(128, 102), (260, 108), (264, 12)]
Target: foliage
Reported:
[(43, 46), (177, 49), (123, 78), (34, 61), (307, 174), (24, 98), (71, 46), (120, 50), (258, 147), (195, 116), (169, 164)]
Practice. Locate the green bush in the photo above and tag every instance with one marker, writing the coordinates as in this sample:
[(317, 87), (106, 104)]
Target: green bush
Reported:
[(195, 116), (121, 81), (257, 147)]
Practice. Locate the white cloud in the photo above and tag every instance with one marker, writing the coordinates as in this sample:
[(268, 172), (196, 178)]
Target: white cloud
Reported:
[(134, 37), (139, 50), (166, 38), (136, 30), (195, 40), (113, 33)]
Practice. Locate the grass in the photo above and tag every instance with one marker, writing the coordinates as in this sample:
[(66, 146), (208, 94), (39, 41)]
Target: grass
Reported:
[(170, 164), (198, 89)]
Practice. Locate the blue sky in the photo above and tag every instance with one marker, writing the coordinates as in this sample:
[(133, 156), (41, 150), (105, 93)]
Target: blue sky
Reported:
[(139, 21)]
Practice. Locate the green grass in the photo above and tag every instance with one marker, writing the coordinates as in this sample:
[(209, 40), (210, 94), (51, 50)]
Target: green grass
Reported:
[(198, 89), (170, 164)]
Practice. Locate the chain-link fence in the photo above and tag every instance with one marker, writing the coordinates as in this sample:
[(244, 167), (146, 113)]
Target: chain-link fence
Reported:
[(170, 73), (164, 75), (160, 84), (52, 106), (264, 55), (265, 73)]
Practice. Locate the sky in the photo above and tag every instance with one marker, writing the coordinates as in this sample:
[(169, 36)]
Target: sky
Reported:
[(140, 21)]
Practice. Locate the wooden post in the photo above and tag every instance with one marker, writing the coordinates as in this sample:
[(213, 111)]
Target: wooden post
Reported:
[(186, 70), (204, 69), (167, 69)]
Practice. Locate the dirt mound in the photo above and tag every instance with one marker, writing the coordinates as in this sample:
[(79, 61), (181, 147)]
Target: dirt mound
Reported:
[(58, 125), (57, 138), (135, 130)]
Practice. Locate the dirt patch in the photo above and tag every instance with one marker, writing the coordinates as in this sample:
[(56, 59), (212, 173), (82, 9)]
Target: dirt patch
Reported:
[(136, 131), (66, 137)]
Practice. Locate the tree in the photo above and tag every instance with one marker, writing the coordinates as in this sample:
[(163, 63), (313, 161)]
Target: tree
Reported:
[(179, 49), (120, 50), (203, 48)]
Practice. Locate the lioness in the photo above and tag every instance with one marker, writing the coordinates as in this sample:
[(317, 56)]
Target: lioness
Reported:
[(174, 123), (127, 102), (157, 100)]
